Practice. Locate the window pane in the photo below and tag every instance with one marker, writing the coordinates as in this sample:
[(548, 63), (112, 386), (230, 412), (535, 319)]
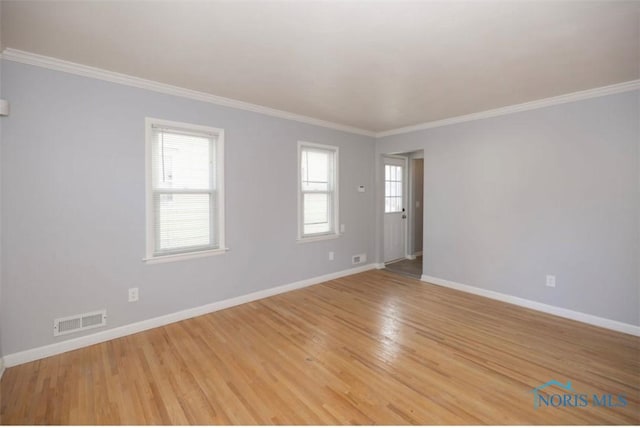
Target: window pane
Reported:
[(182, 161), (317, 169), (393, 188), (317, 217), (317, 166), (398, 189), (182, 221), (397, 204)]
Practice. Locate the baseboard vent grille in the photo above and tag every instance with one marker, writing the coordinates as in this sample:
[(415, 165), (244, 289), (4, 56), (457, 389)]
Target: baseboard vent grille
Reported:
[(358, 259), (80, 322)]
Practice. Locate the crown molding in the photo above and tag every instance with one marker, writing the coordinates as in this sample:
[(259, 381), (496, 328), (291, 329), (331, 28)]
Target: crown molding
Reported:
[(24, 57), (29, 58), (531, 105)]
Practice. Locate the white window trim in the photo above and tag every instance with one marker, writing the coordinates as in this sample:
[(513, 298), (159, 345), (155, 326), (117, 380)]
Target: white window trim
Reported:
[(301, 239), (219, 216)]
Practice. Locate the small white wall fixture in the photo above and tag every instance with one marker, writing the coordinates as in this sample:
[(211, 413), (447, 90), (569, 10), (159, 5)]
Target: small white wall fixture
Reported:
[(4, 108)]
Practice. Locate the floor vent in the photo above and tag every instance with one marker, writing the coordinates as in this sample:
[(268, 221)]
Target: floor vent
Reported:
[(358, 258), (81, 322)]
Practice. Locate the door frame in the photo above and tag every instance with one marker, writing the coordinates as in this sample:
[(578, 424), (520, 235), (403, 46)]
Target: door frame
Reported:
[(405, 197), (412, 252)]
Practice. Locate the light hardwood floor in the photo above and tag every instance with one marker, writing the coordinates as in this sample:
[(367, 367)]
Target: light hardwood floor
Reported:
[(373, 348)]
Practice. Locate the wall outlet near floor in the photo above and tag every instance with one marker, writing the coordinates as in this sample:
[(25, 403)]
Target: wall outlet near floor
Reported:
[(551, 280), (133, 294), (331, 255), (358, 258)]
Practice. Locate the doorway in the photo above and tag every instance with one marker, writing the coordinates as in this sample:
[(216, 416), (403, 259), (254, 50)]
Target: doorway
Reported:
[(403, 195)]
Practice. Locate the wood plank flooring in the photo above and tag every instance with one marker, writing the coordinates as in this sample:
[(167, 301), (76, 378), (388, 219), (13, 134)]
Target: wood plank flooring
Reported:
[(412, 268), (372, 348)]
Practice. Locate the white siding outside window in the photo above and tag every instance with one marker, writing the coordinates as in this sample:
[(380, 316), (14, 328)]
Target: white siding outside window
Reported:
[(185, 192), (318, 191)]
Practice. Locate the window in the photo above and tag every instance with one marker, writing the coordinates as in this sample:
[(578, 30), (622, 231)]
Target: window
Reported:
[(318, 195), (392, 189), (185, 198)]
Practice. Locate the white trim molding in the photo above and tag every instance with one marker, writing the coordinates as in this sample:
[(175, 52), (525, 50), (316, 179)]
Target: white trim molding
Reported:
[(184, 256), (114, 333), (542, 307), (1, 367), (51, 63), (631, 85), (317, 238)]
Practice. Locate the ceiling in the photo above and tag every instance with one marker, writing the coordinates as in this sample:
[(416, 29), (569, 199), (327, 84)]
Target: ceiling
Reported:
[(372, 65)]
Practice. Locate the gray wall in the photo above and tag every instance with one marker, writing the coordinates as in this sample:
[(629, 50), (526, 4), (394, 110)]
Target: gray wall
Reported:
[(507, 200), (548, 191), (73, 197)]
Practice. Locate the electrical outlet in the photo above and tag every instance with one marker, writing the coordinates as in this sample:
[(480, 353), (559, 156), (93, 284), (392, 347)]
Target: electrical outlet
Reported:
[(133, 294), (551, 280), (330, 255)]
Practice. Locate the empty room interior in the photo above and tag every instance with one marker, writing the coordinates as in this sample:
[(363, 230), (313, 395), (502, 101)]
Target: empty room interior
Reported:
[(323, 212)]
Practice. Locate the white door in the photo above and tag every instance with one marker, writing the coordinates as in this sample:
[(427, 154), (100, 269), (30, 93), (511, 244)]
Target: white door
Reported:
[(395, 216)]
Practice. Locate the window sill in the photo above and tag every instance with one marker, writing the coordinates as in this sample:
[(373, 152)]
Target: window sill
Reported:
[(318, 238), (183, 256)]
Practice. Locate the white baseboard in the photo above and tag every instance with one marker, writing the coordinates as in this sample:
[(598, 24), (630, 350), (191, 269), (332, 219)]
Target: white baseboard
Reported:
[(380, 265), (114, 333), (1, 367), (542, 307), (411, 257)]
